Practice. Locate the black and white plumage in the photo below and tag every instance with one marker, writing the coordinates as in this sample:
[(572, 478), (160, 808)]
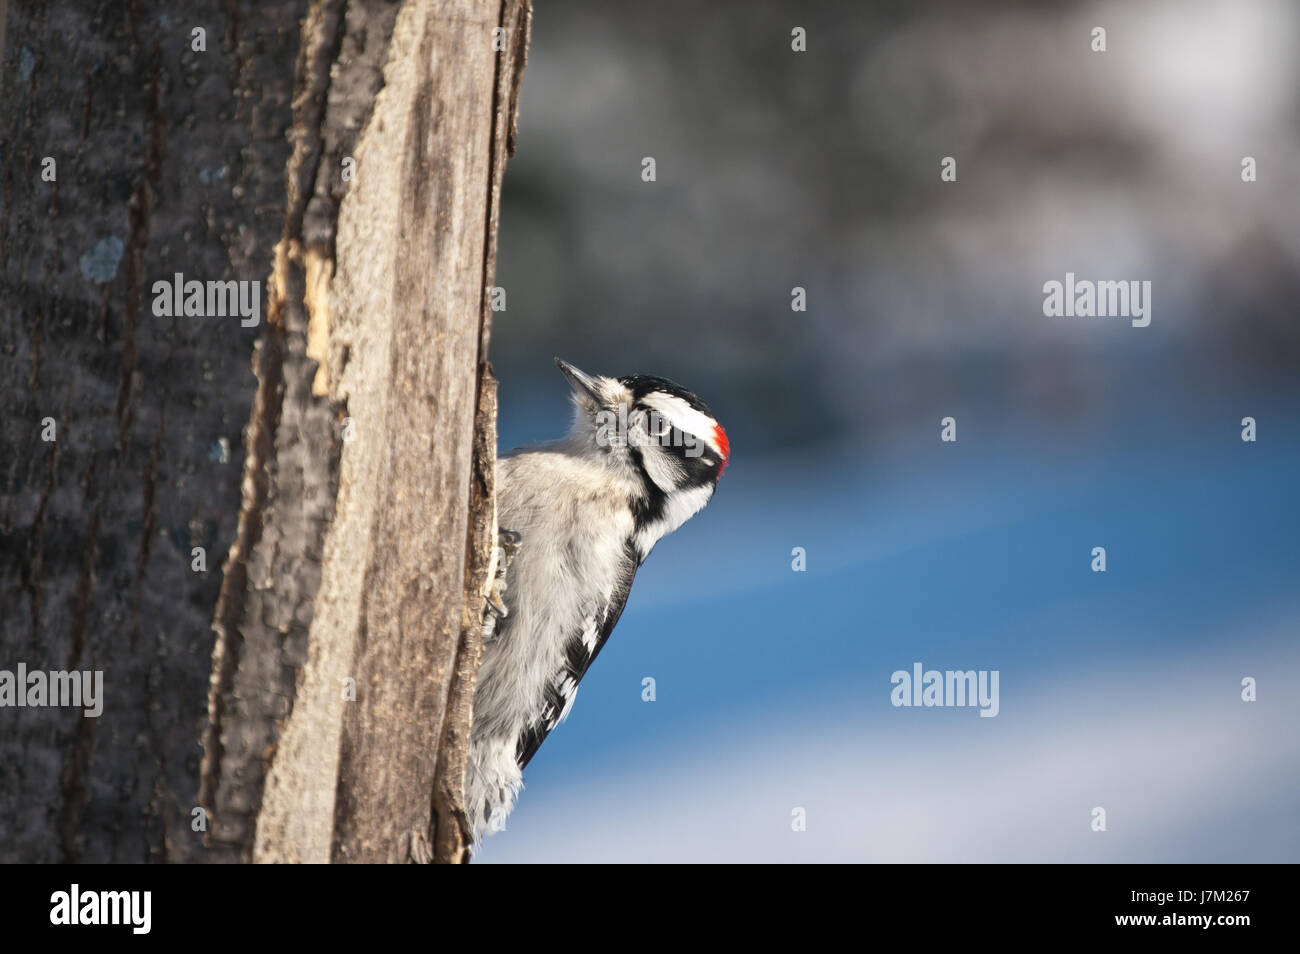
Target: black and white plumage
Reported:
[(642, 457)]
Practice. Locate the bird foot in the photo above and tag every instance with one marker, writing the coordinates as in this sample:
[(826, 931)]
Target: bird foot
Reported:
[(508, 543)]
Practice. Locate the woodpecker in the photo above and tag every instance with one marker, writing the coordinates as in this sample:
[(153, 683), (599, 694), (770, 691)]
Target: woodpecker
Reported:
[(578, 517)]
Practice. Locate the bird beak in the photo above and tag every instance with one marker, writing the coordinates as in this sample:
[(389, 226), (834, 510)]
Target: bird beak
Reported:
[(583, 384)]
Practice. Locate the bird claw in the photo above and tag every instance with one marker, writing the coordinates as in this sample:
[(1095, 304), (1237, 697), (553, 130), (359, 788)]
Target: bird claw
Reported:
[(508, 543)]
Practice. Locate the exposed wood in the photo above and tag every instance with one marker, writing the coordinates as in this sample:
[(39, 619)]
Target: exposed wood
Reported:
[(403, 567)]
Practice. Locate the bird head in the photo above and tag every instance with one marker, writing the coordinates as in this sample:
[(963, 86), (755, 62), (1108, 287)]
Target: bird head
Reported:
[(656, 430)]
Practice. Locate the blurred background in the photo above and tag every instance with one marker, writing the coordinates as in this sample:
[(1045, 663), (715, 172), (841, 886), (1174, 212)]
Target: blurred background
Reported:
[(820, 169)]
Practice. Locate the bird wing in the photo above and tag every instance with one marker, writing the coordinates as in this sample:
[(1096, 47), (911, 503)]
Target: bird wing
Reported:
[(580, 651)]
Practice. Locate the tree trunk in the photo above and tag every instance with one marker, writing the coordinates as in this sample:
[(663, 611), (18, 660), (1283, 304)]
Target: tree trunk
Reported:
[(361, 186)]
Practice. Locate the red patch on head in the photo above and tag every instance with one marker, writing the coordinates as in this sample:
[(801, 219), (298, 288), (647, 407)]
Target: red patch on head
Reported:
[(724, 448)]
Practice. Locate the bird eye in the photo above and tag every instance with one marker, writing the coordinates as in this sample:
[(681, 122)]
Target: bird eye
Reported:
[(657, 425)]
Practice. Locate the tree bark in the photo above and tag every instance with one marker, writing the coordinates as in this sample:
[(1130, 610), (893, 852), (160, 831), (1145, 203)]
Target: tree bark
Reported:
[(349, 155)]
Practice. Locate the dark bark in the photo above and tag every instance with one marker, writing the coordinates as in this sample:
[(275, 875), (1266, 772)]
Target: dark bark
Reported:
[(167, 160)]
